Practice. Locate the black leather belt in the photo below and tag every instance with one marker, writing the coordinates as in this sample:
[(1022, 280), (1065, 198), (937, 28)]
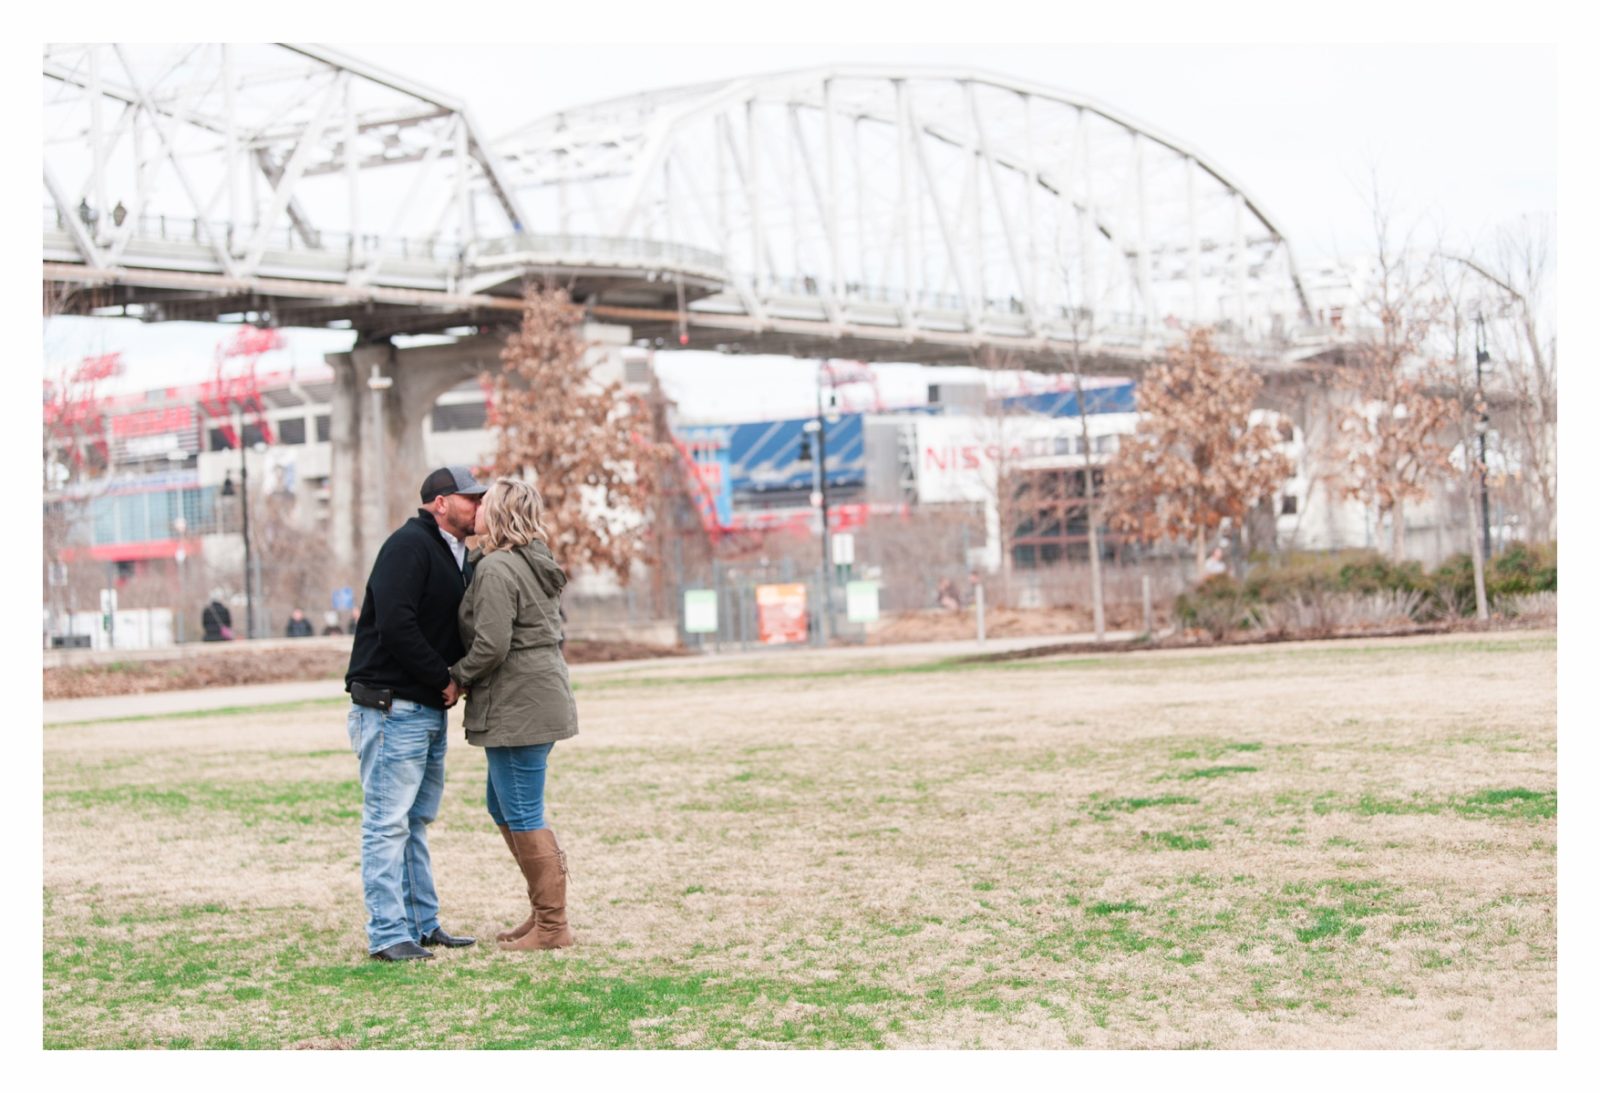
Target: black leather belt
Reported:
[(377, 698)]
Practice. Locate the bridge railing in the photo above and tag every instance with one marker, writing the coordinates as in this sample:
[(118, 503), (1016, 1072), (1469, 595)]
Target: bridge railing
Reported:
[(355, 248), (600, 246), (363, 247)]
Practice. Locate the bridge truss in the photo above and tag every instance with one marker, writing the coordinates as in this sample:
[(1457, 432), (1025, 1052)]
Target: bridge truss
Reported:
[(872, 213)]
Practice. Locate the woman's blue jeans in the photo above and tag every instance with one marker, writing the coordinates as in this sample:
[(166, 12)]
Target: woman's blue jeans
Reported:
[(516, 786)]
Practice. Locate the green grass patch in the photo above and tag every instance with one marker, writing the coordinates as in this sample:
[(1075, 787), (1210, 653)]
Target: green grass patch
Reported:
[(1214, 772), (322, 993), (1521, 804), (250, 803), (1488, 804), (1134, 804), (1173, 841)]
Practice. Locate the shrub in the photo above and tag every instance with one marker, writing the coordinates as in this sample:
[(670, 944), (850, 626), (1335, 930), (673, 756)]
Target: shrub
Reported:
[(1372, 573), (1523, 570), (1216, 605), (1305, 593), (1533, 606), (1520, 570), (1320, 613)]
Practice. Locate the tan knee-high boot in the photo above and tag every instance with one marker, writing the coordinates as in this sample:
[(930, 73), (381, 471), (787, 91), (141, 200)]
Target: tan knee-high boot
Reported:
[(527, 923), (544, 864)]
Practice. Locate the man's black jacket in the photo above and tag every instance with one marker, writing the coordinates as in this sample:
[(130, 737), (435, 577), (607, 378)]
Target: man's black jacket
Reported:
[(407, 635)]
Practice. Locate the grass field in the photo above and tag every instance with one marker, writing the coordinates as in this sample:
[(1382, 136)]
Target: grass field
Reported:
[(1330, 845)]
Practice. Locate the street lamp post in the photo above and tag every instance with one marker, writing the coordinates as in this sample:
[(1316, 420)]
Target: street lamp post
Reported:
[(812, 451), (244, 508), (820, 428), (1483, 440), (180, 527), (244, 515)]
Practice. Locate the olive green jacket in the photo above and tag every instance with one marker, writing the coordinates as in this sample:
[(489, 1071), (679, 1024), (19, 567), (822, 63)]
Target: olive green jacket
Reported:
[(514, 672)]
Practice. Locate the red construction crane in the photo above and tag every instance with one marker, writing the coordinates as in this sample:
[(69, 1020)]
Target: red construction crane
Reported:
[(235, 385)]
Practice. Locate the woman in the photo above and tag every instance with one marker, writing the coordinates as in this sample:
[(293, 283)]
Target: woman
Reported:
[(519, 702)]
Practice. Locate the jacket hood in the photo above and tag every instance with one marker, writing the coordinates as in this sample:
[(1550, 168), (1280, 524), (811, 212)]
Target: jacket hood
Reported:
[(550, 576)]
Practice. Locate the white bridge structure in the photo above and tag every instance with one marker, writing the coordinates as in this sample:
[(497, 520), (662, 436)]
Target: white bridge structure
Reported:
[(874, 213), (850, 211)]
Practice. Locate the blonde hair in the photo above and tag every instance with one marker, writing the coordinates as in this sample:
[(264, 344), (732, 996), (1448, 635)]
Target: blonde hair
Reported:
[(513, 515)]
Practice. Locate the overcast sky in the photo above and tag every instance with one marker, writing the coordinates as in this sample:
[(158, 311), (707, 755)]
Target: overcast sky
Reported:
[(1462, 138)]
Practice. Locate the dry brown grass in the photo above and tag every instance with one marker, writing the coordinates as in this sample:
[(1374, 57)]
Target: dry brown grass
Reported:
[(985, 856)]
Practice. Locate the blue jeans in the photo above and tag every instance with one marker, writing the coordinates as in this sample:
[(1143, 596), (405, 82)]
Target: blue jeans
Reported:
[(516, 786), (402, 783)]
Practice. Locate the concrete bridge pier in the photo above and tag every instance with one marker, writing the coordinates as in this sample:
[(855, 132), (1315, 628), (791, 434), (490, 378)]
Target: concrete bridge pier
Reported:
[(382, 395), (377, 458)]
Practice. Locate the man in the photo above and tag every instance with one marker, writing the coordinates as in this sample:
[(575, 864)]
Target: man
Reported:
[(299, 626), (400, 687)]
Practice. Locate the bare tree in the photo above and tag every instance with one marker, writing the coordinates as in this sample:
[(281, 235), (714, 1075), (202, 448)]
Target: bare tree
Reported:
[(76, 454), (676, 527), (589, 446), (296, 567), (1073, 359), (1194, 460), (1512, 276)]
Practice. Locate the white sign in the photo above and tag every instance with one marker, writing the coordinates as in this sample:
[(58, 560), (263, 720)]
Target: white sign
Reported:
[(700, 610), (861, 601), (958, 458), (844, 548)]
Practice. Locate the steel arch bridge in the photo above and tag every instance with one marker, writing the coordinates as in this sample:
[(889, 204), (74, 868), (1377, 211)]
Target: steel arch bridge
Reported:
[(854, 211)]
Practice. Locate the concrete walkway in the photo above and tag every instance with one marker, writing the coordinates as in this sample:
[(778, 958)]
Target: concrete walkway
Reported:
[(115, 707)]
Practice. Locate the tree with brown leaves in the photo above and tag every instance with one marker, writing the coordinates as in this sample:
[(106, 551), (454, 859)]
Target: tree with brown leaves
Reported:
[(1390, 446), (1194, 460), (1392, 439), (587, 445)]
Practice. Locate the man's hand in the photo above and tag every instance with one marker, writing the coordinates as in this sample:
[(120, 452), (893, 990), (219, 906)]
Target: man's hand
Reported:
[(452, 694)]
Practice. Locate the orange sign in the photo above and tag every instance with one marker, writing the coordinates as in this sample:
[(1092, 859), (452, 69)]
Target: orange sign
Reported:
[(781, 613)]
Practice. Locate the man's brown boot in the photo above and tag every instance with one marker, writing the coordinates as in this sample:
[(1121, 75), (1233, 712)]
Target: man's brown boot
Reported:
[(527, 923), (545, 865)]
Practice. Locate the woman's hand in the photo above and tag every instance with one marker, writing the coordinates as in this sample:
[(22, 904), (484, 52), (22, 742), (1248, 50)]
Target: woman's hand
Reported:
[(452, 694)]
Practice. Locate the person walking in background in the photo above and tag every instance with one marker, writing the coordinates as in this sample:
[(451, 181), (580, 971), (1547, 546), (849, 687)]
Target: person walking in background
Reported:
[(519, 697), (215, 619), (400, 687), (299, 626), (1215, 565)]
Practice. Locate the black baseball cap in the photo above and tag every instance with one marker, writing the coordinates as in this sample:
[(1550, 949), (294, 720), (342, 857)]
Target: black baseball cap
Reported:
[(456, 479)]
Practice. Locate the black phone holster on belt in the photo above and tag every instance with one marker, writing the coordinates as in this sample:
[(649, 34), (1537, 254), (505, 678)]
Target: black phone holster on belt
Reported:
[(378, 698)]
